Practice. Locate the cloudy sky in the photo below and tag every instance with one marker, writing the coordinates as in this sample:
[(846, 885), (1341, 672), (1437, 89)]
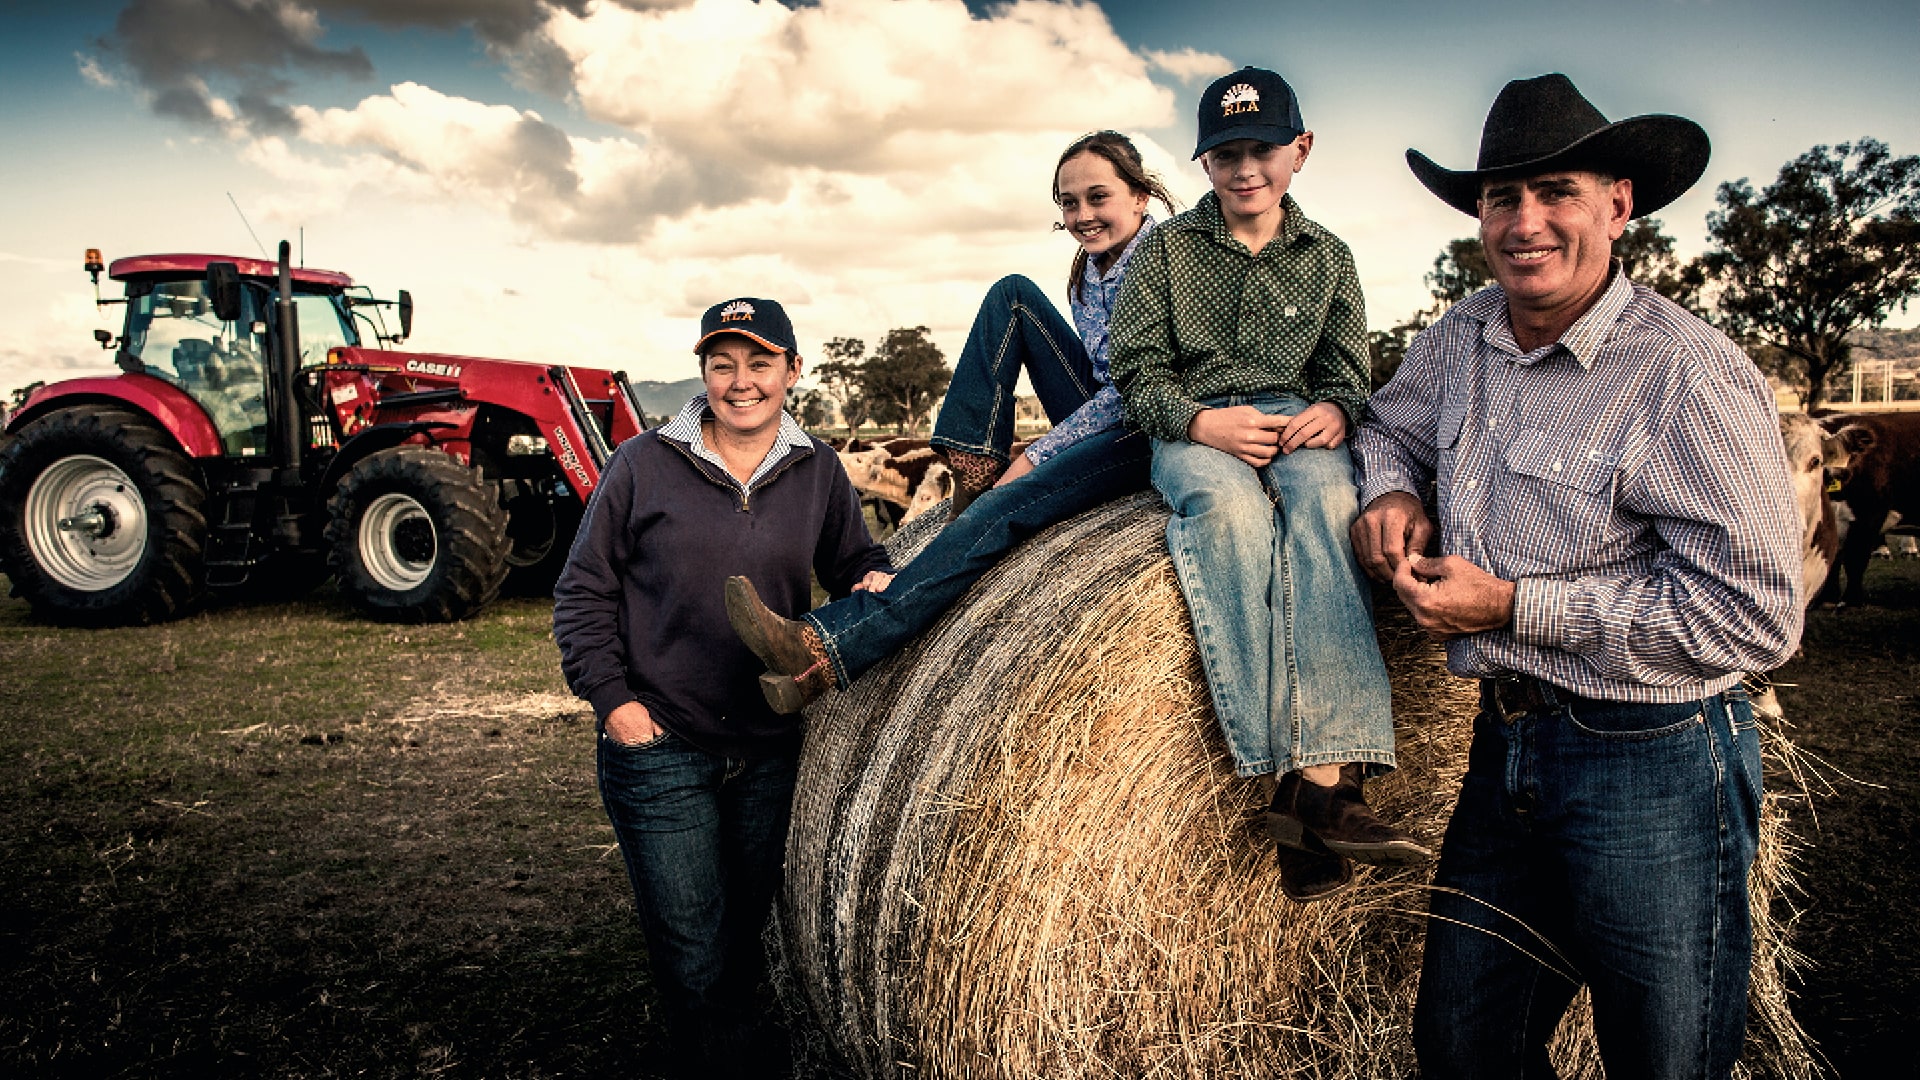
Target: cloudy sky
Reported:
[(574, 180)]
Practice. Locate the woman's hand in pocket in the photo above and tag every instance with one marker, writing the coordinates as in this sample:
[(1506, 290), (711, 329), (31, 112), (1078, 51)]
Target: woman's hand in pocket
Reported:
[(632, 725)]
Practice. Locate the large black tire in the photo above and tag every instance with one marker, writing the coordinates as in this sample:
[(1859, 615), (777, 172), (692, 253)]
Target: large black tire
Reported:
[(102, 519), (417, 537), (540, 534)]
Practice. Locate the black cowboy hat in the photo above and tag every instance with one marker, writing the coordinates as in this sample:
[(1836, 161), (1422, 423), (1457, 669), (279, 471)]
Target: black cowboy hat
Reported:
[(1543, 125)]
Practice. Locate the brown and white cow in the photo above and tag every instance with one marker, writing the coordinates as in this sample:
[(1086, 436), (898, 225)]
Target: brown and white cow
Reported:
[(1813, 457), (904, 478), (1880, 484)]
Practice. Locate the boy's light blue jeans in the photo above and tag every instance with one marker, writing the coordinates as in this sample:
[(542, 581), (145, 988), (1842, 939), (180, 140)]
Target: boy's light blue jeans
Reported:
[(1282, 613)]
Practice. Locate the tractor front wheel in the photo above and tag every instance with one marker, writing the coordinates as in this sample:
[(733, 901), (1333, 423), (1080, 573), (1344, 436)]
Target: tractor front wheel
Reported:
[(417, 537), (102, 519)]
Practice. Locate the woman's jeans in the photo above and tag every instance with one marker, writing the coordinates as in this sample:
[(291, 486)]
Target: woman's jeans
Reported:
[(1599, 843), (1282, 614), (703, 838), (1016, 327)]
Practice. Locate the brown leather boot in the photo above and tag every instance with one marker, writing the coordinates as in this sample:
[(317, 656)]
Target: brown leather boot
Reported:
[(1339, 817), (1308, 871), (973, 476), (798, 671)]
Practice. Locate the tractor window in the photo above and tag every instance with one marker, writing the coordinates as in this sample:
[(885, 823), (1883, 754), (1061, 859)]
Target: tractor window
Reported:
[(175, 335), (322, 327)]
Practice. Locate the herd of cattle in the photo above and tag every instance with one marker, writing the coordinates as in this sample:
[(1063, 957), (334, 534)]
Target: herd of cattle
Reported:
[(1854, 475)]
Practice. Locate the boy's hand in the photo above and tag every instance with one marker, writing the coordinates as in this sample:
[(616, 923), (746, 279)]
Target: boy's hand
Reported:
[(1321, 424), (1240, 430)]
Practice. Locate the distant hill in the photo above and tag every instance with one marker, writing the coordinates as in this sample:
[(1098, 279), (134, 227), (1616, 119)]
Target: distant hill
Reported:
[(1881, 344), (660, 400)]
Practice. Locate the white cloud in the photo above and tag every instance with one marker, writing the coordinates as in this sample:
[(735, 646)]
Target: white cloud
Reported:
[(872, 163), (91, 71), (852, 85), (1189, 65), (732, 104)]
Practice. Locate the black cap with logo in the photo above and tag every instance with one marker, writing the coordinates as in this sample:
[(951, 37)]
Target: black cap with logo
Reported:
[(764, 321), (1252, 103)]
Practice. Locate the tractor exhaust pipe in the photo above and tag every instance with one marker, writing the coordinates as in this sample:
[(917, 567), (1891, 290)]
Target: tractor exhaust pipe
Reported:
[(288, 424)]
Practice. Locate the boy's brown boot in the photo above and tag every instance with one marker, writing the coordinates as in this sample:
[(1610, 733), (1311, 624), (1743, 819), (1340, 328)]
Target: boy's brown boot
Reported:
[(798, 671), (1308, 871), (1339, 817), (973, 476)]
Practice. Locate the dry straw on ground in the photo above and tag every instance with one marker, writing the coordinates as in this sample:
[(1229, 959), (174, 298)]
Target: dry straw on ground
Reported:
[(1019, 851)]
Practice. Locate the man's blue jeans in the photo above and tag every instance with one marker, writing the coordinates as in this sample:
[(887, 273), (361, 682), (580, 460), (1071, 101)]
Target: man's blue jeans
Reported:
[(1598, 843), (1281, 612), (1016, 326), (703, 838)]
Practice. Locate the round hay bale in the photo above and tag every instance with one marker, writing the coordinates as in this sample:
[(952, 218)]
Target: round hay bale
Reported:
[(1019, 850)]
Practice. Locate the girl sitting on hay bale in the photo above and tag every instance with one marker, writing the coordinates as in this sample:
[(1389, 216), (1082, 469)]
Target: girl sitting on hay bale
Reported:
[(1240, 346), (1102, 188)]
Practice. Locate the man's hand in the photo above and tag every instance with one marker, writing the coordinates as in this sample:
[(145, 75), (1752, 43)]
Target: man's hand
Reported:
[(874, 581), (1393, 528), (1450, 597), (1320, 424), (632, 725), (1240, 430)]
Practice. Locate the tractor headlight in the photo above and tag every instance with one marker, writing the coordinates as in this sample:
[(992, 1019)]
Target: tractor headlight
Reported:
[(525, 445)]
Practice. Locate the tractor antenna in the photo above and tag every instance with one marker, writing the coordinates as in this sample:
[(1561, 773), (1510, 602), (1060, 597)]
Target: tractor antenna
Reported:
[(303, 245), (249, 225)]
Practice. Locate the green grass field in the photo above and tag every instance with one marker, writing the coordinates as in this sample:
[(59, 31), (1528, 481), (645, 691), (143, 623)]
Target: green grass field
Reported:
[(282, 841)]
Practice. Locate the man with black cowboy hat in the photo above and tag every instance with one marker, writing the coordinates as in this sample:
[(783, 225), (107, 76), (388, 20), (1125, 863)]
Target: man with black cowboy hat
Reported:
[(1618, 544)]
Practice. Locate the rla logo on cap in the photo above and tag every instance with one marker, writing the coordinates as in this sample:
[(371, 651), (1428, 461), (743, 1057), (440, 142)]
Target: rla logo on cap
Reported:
[(1239, 98), (738, 311)]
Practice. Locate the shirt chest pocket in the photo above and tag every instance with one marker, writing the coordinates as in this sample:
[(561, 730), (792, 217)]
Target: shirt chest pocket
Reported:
[(1558, 460), (1555, 501)]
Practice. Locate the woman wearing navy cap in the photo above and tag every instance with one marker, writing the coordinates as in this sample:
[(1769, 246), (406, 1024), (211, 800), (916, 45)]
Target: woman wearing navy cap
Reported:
[(696, 771)]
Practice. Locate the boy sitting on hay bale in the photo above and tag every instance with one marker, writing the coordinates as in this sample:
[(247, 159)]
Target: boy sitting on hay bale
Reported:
[(1240, 346)]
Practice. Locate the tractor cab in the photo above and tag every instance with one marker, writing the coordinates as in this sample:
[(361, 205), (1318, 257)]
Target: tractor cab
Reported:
[(174, 332)]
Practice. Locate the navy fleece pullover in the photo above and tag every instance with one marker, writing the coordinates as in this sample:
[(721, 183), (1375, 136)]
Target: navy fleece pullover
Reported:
[(640, 611)]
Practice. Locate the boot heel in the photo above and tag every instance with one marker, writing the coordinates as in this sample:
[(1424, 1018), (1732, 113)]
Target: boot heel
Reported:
[(782, 693), (1285, 829)]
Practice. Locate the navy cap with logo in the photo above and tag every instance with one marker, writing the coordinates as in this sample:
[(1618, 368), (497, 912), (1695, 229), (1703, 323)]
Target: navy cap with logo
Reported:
[(764, 321), (1252, 103)]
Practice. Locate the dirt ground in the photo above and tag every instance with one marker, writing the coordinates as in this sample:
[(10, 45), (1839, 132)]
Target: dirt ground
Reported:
[(1855, 705), (282, 841)]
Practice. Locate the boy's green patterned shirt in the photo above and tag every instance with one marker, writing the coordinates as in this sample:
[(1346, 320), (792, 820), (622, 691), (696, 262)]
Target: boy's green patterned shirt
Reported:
[(1200, 316)]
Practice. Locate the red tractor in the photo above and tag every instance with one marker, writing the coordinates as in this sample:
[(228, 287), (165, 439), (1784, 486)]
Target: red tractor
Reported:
[(253, 440)]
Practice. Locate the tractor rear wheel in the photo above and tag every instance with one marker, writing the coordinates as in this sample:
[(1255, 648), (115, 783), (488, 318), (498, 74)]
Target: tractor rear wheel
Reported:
[(417, 537), (102, 519)]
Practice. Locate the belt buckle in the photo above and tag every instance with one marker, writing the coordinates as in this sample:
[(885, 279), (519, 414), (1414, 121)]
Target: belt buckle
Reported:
[(1514, 698)]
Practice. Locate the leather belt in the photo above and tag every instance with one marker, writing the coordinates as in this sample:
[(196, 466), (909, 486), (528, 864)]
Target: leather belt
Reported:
[(1515, 696)]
